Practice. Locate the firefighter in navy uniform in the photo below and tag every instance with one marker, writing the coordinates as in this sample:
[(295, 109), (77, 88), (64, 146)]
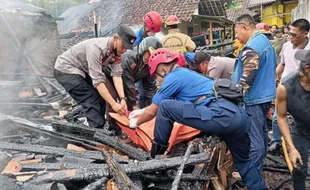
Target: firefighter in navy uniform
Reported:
[(195, 105)]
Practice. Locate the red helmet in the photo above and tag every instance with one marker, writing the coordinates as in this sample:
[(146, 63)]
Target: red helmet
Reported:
[(153, 21), (172, 20), (262, 27), (181, 59), (161, 55)]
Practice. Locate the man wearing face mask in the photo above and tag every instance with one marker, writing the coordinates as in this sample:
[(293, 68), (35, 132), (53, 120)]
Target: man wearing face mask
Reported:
[(152, 24), (188, 98), (255, 71), (80, 71), (175, 40), (135, 68)]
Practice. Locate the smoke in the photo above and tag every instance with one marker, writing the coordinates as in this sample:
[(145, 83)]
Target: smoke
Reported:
[(29, 48)]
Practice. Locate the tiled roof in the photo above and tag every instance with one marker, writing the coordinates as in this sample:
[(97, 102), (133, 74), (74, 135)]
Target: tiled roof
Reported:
[(233, 13), (131, 12), (254, 3)]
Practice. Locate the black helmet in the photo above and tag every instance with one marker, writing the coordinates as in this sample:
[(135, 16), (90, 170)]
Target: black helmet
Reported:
[(147, 43)]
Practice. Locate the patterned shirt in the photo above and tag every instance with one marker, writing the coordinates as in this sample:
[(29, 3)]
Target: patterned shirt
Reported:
[(250, 60)]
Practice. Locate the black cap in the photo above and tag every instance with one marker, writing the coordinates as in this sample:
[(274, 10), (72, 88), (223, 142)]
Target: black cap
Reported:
[(127, 36), (200, 57), (303, 56)]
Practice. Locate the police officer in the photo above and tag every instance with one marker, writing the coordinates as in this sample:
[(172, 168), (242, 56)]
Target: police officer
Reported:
[(175, 40), (211, 66), (152, 24), (187, 97), (80, 71), (135, 68)]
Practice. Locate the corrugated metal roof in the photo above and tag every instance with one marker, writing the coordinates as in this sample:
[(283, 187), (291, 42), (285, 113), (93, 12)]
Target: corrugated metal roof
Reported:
[(254, 3)]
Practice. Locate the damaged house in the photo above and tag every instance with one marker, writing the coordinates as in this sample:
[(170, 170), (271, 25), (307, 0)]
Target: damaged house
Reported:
[(78, 23), (29, 48)]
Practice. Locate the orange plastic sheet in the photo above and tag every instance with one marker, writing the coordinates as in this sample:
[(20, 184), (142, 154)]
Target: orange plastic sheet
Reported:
[(144, 134)]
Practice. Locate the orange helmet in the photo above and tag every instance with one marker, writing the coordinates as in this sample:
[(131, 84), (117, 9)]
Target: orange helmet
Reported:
[(172, 20)]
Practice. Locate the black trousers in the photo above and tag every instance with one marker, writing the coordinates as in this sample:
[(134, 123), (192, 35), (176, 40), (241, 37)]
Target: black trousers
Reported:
[(83, 92), (302, 144)]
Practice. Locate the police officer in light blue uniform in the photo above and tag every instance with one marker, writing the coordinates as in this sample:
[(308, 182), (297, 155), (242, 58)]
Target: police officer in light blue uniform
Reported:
[(187, 98)]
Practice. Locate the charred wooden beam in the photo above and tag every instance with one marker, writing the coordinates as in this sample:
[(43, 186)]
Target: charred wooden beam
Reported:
[(91, 174), (97, 185), (11, 137), (276, 159), (84, 174), (177, 179), (51, 150), (121, 178), (271, 169), (74, 128), (166, 163), (60, 166), (130, 151), (49, 131), (171, 176)]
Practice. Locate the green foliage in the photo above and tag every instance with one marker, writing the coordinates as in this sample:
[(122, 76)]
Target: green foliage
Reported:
[(56, 7)]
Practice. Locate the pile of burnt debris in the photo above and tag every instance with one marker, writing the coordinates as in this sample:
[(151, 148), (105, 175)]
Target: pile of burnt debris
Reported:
[(70, 156), (44, 145)]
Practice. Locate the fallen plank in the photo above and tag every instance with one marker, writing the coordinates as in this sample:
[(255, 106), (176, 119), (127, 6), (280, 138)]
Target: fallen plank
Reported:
[(189, 150), (130, 169), (171, 176), (84, 174), (99, 184), (129, 150), (48, 130), (12, 167), (50, 150), (60, 166), (76, 148), (122, 180), (26, 122), (79, 129)]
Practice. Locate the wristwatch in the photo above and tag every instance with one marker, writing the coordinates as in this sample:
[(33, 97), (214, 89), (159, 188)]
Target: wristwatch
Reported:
[(122, 98)]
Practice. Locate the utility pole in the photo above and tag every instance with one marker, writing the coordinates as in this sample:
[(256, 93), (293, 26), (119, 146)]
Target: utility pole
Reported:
[(56, 8)]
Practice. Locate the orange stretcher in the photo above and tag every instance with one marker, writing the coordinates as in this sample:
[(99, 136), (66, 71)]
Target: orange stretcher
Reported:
[(144, 134)]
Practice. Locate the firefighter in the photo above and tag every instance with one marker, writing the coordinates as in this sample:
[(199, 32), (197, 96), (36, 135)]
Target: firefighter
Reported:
[(135, 68), (152, 25), (187, 97), (80, 71), (175, 40)]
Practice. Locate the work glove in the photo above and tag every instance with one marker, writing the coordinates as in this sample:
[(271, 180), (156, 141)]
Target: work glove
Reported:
[(136, 113), (133, 123), (158, 149)]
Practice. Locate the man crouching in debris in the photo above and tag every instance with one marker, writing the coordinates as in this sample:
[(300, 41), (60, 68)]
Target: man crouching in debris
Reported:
[(212, 67), (135, 68), (79, 71), (293, 96), (194, 104)]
